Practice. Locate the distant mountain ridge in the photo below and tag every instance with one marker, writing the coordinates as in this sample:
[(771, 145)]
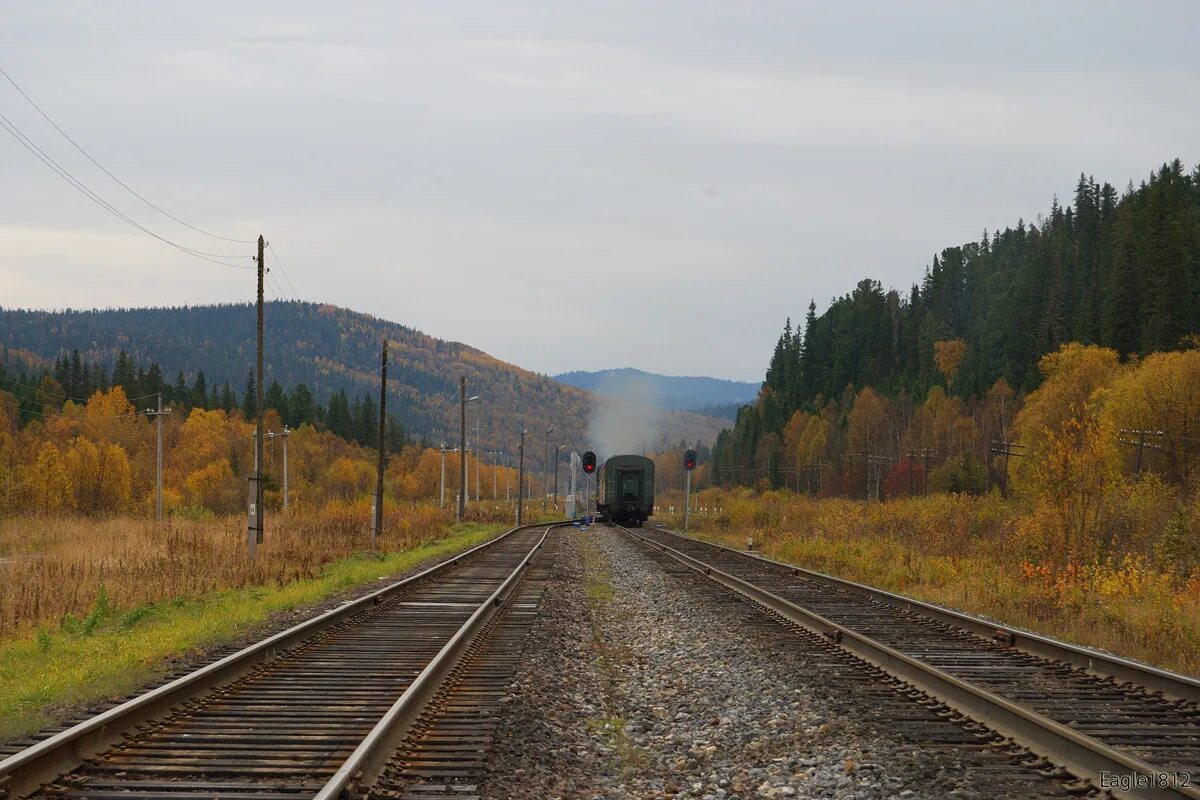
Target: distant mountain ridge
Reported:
[(711, 396), (330, 349)]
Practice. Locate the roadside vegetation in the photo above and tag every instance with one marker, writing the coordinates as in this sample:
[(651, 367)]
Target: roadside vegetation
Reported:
[(103, 608), (981, 555), (1097, 539)]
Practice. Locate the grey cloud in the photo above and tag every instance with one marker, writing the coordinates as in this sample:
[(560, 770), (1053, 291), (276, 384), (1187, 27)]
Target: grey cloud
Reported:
[(490, 172)]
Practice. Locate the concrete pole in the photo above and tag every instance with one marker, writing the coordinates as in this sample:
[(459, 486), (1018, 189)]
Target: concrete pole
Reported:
[(158, 471), (285, 435), (442, 495)]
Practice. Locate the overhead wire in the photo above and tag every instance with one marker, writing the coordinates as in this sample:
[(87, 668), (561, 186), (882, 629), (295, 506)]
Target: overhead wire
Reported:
[(105, 170), (66, 175), (278, 291), (282, 271), (22, 402), (59, 396)]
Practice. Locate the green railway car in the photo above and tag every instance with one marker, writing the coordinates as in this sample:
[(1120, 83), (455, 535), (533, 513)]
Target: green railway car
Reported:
[(626, 489)]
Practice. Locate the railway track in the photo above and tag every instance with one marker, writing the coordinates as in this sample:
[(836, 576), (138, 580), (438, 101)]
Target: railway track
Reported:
[(1128, 729), (314, 711)]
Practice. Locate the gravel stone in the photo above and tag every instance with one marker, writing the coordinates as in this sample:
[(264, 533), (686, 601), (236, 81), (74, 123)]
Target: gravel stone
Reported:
[(641, 682)]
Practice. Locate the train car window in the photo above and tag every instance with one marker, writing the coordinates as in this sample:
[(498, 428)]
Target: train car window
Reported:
[(631, 486)]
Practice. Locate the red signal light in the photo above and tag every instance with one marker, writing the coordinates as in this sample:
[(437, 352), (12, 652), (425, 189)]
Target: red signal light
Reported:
[(589, 462), (689, 460)]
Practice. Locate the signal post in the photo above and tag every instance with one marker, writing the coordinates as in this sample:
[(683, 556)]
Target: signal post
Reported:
[(589, 467), (689, 464)]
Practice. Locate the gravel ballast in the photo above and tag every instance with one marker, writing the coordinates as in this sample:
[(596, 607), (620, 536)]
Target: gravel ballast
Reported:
[(640, 681)]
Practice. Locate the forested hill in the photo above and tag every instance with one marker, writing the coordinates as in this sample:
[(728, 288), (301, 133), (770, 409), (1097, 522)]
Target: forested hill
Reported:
[(328, 349), (1114, 268), (684, 393)]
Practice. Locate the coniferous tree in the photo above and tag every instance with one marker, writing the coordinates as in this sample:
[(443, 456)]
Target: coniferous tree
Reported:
[(180, 394), (199, 393), (250, 399), (337, 416), (228, 401), (153, 382), (301, 408), (1117, 271)]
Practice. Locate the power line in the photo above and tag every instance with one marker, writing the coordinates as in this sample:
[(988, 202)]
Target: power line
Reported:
[(102, 168), (283, 271), (59, 396), (25, 401), (28, 144)]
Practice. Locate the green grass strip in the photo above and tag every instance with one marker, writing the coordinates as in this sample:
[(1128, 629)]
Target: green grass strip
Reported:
[(113, 651)]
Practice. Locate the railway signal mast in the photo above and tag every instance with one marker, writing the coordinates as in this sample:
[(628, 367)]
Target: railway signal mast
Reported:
[(589, 467), (689, 464)]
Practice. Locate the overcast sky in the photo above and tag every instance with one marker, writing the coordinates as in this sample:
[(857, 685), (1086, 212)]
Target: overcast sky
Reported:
[(568, 185)]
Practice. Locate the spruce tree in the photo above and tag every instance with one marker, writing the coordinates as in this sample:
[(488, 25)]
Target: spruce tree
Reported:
[(250, 399)]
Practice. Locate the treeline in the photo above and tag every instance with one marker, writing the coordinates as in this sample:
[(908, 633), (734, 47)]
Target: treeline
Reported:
[(99, 458), (328, 350), (39, 392), (1115, 269)]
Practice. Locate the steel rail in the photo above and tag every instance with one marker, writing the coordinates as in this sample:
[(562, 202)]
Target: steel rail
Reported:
[(1080, 754), (1155, 679), (25, 771), (367, 761)]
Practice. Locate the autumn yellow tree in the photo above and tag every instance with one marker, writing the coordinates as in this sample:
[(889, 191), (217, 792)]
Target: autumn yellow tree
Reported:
[(1072, 478), (46, 485), (347, 477), (948, 355), (1077, 378), (1162, 393), (213, 486), (99, 476), (866, 433)]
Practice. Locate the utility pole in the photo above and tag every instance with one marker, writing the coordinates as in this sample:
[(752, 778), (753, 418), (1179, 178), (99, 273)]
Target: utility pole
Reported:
[(495, 465), (254, 533), (462, 441), (1006, 448), (286, 433), (442, 495), (557, 449), (1141, 444), (377, 528), (158, 473), (478, 458), (545, 464), (521, 477)]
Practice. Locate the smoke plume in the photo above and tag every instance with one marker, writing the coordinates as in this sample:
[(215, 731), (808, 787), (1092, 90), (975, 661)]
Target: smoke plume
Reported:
[(626, 415)]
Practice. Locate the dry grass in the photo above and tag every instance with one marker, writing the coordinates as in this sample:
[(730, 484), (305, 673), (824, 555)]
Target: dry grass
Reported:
[(974, 553), (60, 570), (111, 651)]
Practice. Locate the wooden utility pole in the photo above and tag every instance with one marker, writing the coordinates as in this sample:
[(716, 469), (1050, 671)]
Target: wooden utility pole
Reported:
[(1004, 447), (254, 535), (521, 479), (462, 443), (377, 527)]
